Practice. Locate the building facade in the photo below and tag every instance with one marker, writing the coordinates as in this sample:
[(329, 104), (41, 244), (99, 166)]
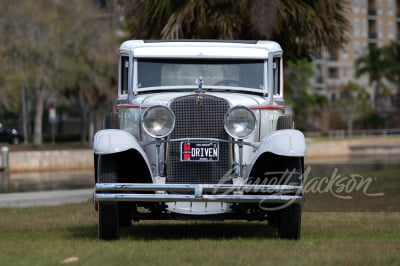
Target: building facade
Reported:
[(373, 23)]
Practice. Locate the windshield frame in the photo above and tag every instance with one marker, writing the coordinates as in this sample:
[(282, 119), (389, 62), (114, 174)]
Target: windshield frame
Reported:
[(263, 62)]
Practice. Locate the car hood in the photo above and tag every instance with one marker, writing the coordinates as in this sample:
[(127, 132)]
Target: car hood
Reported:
[(164, 98)]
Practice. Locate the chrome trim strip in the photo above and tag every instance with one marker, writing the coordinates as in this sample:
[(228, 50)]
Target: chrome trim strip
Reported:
[(123, 192), (193, 198), (126, 187)]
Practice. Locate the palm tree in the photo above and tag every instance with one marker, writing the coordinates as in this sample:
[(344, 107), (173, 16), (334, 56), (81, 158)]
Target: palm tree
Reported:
[(202, 19), (353, 104), (301, 27), (373, 64), (304, 27), (392, 59)]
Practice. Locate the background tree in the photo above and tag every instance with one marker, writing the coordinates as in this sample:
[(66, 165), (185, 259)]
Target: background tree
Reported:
[(304, 27), (53, 45), (15, 75), (191, 19), (373, 64), (352, 104), (90, 59), (301, 27), (298, 76), (308, 109), (392, 63)]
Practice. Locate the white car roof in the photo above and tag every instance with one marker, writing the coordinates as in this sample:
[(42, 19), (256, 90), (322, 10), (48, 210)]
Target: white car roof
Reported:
[(200, 49)]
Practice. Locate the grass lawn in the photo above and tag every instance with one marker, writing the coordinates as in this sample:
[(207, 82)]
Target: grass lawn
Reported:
[(50, 235), (68, 235)]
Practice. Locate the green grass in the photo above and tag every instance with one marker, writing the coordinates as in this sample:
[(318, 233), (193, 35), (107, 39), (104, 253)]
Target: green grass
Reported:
[(336, 236), (375, 191), (49, 235)]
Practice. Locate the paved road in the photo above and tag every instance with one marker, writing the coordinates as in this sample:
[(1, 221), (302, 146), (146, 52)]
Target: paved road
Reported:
[(44, 198)]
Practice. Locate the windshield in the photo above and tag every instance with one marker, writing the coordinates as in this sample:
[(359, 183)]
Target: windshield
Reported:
[(213, 73)]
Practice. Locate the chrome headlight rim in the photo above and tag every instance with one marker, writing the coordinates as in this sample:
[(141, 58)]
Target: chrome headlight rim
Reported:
[(162, 132), (234, 134)]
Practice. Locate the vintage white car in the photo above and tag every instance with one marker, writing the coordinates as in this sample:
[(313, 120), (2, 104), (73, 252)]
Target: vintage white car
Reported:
[(199, 131)]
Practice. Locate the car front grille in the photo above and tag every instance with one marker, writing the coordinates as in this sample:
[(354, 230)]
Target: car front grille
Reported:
[(198, 117)]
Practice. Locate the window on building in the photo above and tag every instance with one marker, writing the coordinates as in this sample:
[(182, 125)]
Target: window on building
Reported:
[(333, 72), (356, 28), (365, 28), (379, 6), (372, 29), (333, 55), (345, 51), (390, 30), (364, 6), (390, 7), (345, 72), (318, 74), (380, 33), (356, 49), (355, 5)]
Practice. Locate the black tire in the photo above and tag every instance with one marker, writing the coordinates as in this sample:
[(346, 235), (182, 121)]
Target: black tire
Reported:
[(108, 221), (124, 214), (290, 222), (290, 217), (284, 122), (111, 121), (108, 215), (14, 140)]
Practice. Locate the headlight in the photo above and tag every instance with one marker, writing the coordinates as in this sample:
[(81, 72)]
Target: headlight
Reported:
[(158, 121), (240, 122)]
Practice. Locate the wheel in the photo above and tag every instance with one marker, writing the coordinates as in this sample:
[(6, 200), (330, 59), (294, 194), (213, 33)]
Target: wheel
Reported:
[(108, 221), (290, 222), (284, 122), (111, 121), (124, 214), (15, 140), (108, 215), (289, 218)]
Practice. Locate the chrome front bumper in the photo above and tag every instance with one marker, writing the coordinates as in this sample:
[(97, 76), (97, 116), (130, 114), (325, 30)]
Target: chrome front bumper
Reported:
[(197, 193)]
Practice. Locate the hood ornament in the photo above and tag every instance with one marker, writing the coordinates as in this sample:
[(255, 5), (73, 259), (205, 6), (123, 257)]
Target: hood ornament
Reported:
[(199, 82), (199, 100)]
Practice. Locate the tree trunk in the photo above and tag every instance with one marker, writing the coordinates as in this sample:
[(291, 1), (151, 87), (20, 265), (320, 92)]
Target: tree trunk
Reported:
[(398, 106), (38, 130), (350, 120), (377, 98), (84, 121), (24, 114), (91, 125)]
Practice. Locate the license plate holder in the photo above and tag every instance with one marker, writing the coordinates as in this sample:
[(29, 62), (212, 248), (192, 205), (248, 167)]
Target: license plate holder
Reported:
[(199, 151)]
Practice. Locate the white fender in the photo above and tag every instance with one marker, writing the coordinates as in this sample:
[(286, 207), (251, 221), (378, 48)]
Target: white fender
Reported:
[(285, 142), (109, 141)]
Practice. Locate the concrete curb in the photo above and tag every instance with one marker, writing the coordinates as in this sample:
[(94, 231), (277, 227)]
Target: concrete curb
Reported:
[(353, 147), (44, 198), (51, 160)]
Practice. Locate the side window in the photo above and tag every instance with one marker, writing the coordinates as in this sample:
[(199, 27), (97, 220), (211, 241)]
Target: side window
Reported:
[(124, 68), (277, 75)]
